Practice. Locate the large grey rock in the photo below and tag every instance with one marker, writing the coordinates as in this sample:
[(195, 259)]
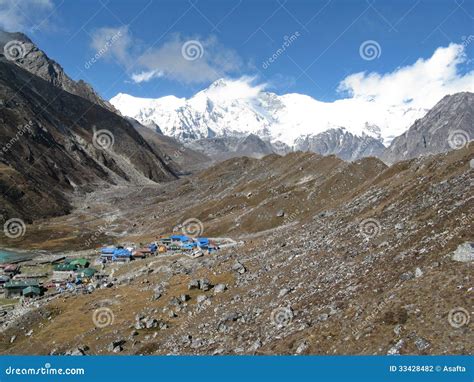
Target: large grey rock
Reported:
[(464, 253)]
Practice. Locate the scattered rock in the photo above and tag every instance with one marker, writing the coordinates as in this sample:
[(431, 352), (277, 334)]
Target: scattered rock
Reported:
[(255, 346), (116, 346), (464, 253), (302, 347), (422, 344), (219, 288), (407, 276), (239, 268), (205, 284), (400, 226), (193, 284), (395, 349), (151, 323), (175, 301)]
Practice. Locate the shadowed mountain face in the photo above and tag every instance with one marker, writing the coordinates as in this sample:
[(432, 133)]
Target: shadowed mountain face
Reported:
[(181, 159), (447, 126), (54, 143)]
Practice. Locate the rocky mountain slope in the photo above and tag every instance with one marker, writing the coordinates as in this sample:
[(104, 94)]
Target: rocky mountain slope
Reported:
[(334, 258), (447, 126), (23, 52), (341, 143), (54, 143)]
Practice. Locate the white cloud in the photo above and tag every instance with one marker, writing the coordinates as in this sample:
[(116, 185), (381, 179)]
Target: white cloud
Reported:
[(422, 83), (234, 89), (146, 76), (113, 43), (392, 101), (21, 16), (192, 60)]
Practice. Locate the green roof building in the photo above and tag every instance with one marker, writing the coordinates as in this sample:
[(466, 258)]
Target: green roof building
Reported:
[(15, 288), (31, 291)]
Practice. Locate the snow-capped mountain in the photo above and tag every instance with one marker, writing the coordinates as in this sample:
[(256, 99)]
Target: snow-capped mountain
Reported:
[(236, 108)]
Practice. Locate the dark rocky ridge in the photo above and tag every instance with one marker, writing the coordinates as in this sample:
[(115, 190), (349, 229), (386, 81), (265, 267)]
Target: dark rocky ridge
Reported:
[(42, 164), (38, 63)]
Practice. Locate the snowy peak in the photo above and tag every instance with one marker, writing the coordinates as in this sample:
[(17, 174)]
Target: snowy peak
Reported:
[(237, 108)]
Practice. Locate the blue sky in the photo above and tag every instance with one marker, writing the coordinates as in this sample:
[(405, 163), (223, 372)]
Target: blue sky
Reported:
[(237, 39)]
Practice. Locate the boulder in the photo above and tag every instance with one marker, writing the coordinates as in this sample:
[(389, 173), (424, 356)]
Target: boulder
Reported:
[(464, 253)]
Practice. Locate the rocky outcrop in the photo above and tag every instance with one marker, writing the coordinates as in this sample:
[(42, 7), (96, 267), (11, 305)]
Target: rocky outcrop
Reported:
[(447, 126)]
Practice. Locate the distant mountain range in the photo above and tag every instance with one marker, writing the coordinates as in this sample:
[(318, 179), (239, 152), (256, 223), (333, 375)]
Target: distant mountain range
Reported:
[(215, 119)]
